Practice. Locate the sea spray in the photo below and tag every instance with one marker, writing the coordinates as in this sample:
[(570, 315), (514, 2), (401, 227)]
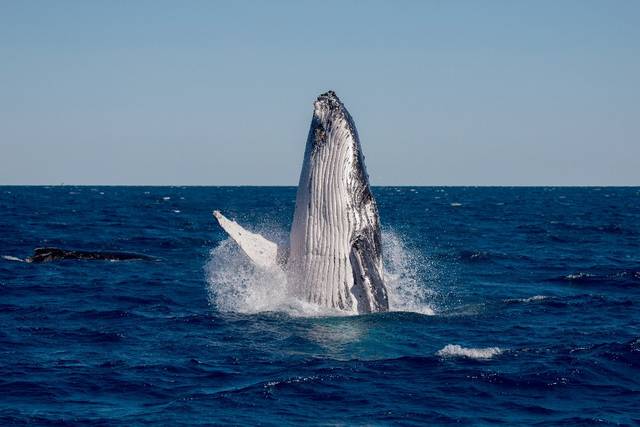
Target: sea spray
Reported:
[(235, 284), (404, 270)]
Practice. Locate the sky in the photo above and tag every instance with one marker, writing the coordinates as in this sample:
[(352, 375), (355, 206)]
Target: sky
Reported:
[(221, 92)]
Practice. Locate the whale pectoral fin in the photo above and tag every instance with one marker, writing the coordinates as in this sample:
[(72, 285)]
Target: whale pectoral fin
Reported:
[(368, 286), (261, 251)]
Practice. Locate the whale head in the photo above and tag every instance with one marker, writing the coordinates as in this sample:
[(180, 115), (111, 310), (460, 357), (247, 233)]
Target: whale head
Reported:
[(335, 242)]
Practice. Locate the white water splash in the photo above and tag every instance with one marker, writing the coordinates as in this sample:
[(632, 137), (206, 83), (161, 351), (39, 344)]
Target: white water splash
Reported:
[(454, 350), (403, 273), (236, 285)]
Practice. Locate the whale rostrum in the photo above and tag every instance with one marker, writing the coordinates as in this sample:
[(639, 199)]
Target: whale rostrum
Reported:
[(335, 250)]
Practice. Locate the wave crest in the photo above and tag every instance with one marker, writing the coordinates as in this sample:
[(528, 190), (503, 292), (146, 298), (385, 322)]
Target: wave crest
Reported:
[(454, 350)]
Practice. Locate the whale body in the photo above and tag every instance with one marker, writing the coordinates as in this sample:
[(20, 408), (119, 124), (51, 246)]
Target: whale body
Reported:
[(50, 254), (334, 258)]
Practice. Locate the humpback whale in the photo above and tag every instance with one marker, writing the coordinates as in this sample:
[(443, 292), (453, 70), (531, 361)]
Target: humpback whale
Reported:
[(334, 258), (41, 255)]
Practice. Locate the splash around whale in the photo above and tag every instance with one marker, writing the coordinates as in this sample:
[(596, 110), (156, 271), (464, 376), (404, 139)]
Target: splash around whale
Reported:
[(334, 255)]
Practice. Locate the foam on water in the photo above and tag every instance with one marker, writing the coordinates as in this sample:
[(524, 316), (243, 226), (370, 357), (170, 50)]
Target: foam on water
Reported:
[(529, 299), (454, 350), (236, 285)]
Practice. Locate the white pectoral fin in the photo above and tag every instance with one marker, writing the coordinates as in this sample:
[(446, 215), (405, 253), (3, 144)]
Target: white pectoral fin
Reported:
[(261, 251)]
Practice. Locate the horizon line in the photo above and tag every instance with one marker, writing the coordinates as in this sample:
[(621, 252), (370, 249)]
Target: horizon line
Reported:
[(373, 185)]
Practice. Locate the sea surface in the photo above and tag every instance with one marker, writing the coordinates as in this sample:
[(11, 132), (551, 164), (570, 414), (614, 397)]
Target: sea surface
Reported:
[(510, 306)]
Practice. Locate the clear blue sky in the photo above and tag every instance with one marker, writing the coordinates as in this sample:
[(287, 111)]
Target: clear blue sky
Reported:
[(216, 93)]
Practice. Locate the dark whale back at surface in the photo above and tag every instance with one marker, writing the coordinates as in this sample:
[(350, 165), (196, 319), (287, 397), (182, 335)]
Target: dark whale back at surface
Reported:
[(58, 254)]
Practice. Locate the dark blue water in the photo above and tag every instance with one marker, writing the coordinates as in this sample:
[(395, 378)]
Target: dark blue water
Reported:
[(540, 288)]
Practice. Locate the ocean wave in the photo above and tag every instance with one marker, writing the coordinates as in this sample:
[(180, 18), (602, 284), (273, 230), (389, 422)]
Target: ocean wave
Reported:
[(622, 352), (612, 228), (623, 277), (95, 314), (534, 298), (589, 301), (454, 350), (84, 335), (578, 276), (487, 256)]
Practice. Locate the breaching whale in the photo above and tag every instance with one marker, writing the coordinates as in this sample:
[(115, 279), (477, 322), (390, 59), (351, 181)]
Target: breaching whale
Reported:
[(334, 258)]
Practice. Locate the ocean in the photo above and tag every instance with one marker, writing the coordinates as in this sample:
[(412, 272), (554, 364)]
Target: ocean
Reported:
[(509, 306)]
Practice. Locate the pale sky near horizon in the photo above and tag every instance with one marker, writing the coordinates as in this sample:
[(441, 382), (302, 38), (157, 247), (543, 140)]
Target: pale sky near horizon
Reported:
[(221, 93)]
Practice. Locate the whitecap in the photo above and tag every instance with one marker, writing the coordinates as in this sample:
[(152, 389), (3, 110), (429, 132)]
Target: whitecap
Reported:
[(578, 276), (454, 350), (166, 198), (456, 204), (12, 258), (529, 299)]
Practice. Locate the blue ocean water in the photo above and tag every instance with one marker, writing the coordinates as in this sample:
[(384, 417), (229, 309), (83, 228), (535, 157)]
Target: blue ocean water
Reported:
[(519, 306)]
